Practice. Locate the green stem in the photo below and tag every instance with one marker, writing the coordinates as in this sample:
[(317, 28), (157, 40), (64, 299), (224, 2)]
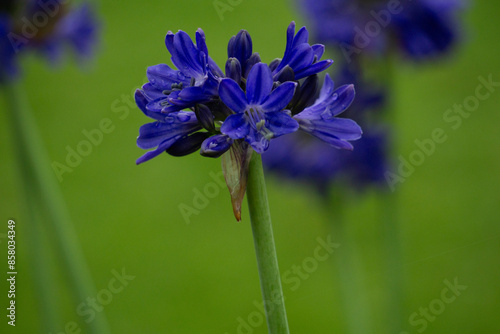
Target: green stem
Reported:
[(44, 281), (355, 301), (391, 239), (50, 198), (270, 281), (389, 204)]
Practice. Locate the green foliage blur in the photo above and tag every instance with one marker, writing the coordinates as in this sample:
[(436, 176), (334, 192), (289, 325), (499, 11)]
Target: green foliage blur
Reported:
[(199, 275)]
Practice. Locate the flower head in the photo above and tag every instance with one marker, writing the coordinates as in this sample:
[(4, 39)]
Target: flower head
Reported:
[(252, 102), (197, 107), (259, 114)]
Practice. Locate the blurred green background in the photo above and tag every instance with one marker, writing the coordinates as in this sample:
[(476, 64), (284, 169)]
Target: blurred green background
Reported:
[(201, 276)]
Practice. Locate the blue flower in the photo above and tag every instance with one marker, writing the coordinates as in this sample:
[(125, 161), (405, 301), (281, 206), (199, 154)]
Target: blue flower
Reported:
[(320, 118), (426, 29), (302, 58), (167, 131), (368, 163), (252, 103), (259, 114), (195, 81), (232, 116), (75, 27), (419, 29)]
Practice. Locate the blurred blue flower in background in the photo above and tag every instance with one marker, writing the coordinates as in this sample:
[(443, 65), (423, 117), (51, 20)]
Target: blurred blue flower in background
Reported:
[(47, 27), (419, 29), (7, 53), (78, 29)]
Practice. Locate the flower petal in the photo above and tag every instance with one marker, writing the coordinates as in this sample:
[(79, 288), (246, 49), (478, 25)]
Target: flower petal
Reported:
[(290, 32), (201, 41), (258, 141), (233, 70), (205, 116), (187, 144), (215, 146), (280, 123), (330, 102), (184, 53), (301, 37), (334, 131), (235, 126), (302, 56), (259, 83), (151, 92), (162, 77), (313, 69), (345, 96), (254, 59), (142, 101), (159, 150), (232, 95), (318, 50), (192, 94), (240, 47), (175, 126), (280, 97), (285, 74)]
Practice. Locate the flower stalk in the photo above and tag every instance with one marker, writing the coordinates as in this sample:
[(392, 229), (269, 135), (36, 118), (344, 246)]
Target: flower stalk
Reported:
[(39, 178), (267, 262)]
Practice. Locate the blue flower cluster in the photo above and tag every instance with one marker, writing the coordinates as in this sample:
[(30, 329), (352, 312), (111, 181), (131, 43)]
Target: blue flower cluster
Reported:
[(420, 28), (198, 107), (44, 26)]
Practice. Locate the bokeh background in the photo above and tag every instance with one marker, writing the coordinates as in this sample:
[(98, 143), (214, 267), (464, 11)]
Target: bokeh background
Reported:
[(200, 276)]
